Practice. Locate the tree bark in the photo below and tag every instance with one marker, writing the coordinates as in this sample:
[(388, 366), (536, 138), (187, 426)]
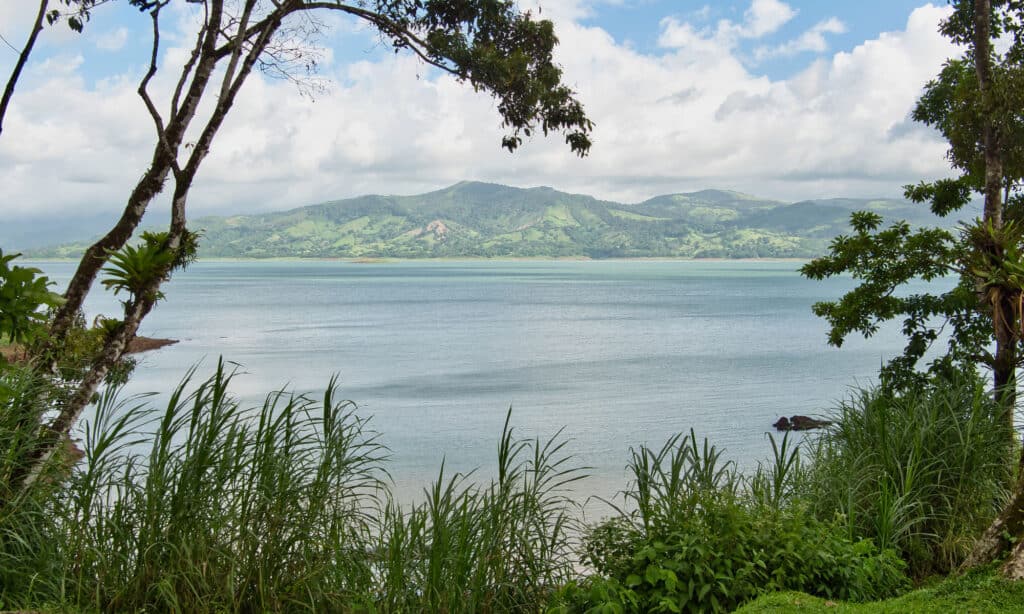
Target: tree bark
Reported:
[(1010, 522), (96, 256), (37, 27), (993, 543), (1005, 364)]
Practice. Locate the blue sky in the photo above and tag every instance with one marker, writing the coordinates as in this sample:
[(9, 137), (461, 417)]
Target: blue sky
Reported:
[(636, 22), (788, 99)]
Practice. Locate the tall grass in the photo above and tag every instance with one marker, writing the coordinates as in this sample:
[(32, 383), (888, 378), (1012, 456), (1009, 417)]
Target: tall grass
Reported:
[(504, 547), (207, 506), (923, 472), (219, 508), (29, 536), (204, 505)]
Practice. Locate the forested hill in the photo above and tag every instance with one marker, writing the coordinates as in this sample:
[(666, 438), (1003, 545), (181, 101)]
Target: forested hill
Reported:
[(472, 219)]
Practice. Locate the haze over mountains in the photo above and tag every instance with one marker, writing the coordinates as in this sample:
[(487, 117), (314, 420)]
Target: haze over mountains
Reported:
[(472, 219)]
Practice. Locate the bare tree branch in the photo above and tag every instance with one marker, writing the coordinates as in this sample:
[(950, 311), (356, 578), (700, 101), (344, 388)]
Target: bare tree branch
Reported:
[(161, 133), (37, 27)]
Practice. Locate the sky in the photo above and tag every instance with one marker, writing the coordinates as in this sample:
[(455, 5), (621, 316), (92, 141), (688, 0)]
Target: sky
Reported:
[(793, 100)]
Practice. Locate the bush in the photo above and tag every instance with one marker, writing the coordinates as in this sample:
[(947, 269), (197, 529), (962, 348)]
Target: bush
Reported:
[(923, 472), (702, 540)]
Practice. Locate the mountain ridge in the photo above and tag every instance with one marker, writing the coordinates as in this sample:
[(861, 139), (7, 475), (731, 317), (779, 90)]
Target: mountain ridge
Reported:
[(478, 219)]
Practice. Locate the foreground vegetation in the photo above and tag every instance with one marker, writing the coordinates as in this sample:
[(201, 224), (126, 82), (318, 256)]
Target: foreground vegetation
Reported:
[(204, 505), (979, 592)]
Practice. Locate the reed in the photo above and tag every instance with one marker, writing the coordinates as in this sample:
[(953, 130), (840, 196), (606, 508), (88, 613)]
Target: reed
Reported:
[(923, 472)]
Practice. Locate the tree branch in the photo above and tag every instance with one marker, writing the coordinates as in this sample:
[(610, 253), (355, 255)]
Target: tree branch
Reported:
[(158, 121), (37, 27)]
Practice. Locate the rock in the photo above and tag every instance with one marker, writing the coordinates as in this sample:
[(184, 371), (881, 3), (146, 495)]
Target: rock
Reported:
[(800, 423)]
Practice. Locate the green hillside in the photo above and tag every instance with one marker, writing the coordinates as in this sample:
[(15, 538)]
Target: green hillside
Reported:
[(472, 219)]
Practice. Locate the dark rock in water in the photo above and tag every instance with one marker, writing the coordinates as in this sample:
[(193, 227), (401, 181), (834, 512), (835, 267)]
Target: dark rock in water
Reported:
[(799, 423)]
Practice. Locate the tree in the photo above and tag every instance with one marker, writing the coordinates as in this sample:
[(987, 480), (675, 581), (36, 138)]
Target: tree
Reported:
[(488, 43), (977, 103)]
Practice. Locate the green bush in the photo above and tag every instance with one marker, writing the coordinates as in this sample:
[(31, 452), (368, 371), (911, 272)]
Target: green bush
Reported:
[(24, 296), (699, 539), (29, 535), (923, 472)]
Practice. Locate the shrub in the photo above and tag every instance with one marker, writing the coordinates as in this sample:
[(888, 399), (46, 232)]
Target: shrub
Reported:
[(29, 561), (699, 539), (923, 472)]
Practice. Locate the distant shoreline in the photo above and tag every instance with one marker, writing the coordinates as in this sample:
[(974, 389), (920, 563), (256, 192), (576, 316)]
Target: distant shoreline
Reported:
[(389, 260)]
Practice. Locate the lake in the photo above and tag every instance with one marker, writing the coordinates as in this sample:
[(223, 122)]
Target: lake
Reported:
[(619, 353)]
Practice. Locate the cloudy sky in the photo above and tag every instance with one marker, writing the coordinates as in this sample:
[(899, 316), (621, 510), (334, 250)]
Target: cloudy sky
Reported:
[(792, 100)]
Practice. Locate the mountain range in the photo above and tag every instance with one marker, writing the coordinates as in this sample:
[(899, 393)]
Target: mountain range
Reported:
[(472, 219)]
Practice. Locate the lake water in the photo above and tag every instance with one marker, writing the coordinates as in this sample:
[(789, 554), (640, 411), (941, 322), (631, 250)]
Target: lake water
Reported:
[(620, 353)]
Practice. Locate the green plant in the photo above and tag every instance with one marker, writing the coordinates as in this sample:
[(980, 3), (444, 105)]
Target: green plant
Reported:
[(503, 547), (24, 296), (229, 510), (699, 538), (923, 471), (29, 533), (206, 506)]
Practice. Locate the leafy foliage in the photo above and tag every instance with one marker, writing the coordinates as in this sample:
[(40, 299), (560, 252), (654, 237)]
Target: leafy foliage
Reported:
[(80, 11), (923, 472), (497, 48), (24, 295), (29, 556), (979, 309), (700, 540), (883, 261), (134, 269)]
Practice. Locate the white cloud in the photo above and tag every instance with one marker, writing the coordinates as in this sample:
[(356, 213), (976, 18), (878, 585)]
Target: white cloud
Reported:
[(811, 40), (686, 118), (766, 16), (762, 18), (113, 40)]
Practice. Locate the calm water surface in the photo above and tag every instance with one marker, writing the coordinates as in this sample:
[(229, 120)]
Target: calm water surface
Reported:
[(620, 353)]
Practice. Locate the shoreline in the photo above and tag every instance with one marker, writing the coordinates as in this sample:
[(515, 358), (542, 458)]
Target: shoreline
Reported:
[(137, 345), (389, 260), (147, 344)]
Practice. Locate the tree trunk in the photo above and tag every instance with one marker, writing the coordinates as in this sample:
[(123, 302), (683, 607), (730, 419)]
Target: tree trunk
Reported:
[(1004, 367), (149, 186), (169, 139), (993, 543), (96, 256), (1010, 523)]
